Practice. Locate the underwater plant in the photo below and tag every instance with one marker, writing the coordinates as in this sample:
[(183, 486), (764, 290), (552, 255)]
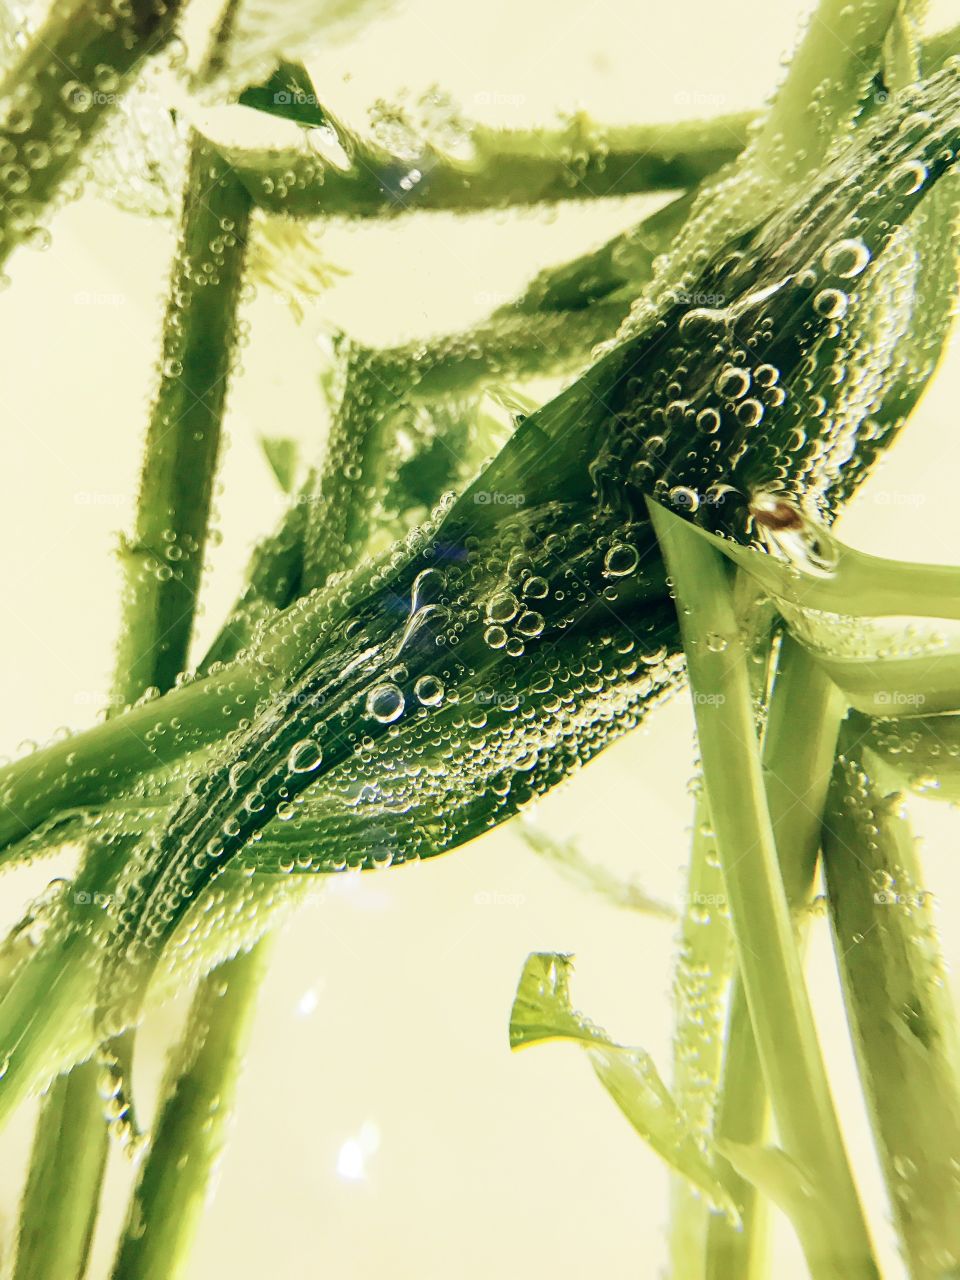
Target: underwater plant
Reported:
[(471, 594)]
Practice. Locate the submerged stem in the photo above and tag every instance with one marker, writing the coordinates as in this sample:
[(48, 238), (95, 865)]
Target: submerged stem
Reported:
[(163, 578), (701, 978), (901, 1013), (583, 160), (831, 1228), (81, 47), (798, 752), (56, 1229), (191, 1130), (165, 558)]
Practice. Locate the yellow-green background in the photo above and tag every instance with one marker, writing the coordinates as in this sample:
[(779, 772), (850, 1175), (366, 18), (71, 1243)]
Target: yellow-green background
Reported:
[(388, 999)]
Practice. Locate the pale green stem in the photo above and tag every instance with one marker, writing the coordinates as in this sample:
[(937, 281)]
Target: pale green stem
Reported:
[(900, 1010), (581, 161), (836, 59), (56, 1223), (832, 1228), (192, 1129), (701, 978), (57, 94), (165, 558), (163, 578), (799, 746)]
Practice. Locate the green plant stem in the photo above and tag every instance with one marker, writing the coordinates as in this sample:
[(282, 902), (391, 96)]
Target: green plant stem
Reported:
[(581, 161), (56, 1229), (165, 559), (829, 72), (832, 1229), (93, 766), (701, 978), (900, 1010), (80, 47), (191, 1130), (921, 753), (158, 614), (799, 746)]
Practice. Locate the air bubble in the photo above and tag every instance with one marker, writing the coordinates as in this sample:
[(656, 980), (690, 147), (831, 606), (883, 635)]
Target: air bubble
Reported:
[(304, 757), (620, 560), (385, 703), (846, 258), (429, 690)]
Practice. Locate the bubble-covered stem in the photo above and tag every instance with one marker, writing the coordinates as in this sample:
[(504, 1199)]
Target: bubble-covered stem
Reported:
[(899, 1005), (799, 746), (159, 608), (701, 977), (192, 1127), (829, 71), (832, 1229), (94, 766), (164, 559), (55, 1230), (67, 80), (581, 161), (921, 753)]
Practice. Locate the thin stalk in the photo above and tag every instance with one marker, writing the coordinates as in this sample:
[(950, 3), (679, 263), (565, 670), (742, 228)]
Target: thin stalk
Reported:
[(163, 578), (191, 1130), (831, 1228), (165, 558), (921, 753), (900, 1010), (841, 50), (90, 768), (701, 978), (799, 746), (56, 1228), (57, 94), (583, 160), (836, 59)]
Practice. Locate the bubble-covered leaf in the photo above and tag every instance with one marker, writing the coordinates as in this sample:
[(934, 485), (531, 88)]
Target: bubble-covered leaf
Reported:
[(542, 1011)]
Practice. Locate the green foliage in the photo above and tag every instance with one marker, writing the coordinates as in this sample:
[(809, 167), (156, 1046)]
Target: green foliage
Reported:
[(468, 598)]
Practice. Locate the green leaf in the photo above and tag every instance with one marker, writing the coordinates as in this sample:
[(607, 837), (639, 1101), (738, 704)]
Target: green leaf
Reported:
[(774, 1173), (282, 455), (289, 94), (260, 34), (542, 1011)]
